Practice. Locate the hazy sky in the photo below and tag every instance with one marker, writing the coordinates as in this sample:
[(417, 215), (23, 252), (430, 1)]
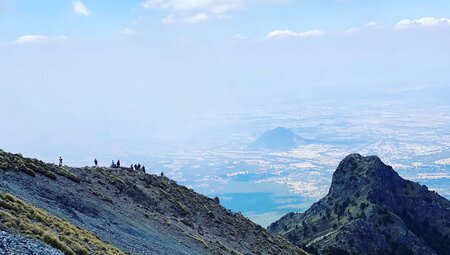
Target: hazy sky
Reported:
[(95, 73)]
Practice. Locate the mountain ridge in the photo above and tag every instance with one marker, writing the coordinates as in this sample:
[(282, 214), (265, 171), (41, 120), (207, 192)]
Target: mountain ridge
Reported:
[(136, 212)]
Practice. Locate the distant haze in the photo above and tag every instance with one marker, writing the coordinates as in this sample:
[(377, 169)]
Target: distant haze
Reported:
[(113, 79)]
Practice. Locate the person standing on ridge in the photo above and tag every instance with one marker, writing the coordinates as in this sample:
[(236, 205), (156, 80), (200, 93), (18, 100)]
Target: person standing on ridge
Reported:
[(95, 162), (118, 163), (60, 161), (143, 169)]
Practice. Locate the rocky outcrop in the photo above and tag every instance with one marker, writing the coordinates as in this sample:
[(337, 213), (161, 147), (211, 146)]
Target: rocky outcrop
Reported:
[(370, 209), (136, 212)]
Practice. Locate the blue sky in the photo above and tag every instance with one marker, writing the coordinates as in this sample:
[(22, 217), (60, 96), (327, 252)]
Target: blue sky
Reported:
[(213, 19), (159, 63)]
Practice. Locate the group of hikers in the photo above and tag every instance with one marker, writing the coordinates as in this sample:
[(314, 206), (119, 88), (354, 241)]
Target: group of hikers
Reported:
[(115, 165), (137, 167)]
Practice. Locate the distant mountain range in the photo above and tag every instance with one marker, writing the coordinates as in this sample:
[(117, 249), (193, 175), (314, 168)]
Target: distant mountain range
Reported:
[(97, 210), (370, 209), (279, 138)]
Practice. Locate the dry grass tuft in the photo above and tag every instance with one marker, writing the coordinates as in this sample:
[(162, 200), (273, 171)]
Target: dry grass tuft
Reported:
[(19, 216)]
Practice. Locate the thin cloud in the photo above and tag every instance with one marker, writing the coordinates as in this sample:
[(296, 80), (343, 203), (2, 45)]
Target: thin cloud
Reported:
[(371, 24), (422, 22), (289, 33), (352, 30), (193, 19), (170, 19), (128, 31), (188, 9), (80, 9), (237, 38), (197, 18), (29, 39), (186, 5)]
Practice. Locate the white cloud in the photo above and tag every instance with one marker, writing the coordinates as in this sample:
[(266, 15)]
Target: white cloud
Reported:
[(237, 38), (219, 9), (128, 31), (445, 161), (220, 6), (371, 24), (31, 39), (288, 33), (223, 8), (192, 19), (80, 9), (237, 173), (426, 21), (161, 4), (27, 39), (281, 33), (197, 18)]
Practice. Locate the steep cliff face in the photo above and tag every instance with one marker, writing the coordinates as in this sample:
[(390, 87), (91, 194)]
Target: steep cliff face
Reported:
[(370, 209), (136, 212)]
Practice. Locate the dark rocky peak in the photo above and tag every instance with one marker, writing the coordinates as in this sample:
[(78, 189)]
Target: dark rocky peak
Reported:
[(355, 164), (370, 209), (361, 175)]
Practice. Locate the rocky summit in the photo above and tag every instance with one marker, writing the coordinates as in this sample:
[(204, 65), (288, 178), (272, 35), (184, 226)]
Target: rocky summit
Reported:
[(97, 210), (370, 209)]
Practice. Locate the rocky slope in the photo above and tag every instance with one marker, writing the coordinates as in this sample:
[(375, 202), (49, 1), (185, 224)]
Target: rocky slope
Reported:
[(13, 244), (370, 209), (136, 212)]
